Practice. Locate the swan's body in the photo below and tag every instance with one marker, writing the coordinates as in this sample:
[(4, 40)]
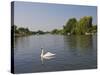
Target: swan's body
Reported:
[(47, 55)]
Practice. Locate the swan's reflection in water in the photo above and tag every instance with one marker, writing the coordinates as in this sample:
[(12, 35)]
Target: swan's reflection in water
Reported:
[(46, 58)]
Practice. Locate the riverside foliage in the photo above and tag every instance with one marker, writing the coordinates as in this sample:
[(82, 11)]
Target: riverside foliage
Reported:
[(81, 27), (72, 27)]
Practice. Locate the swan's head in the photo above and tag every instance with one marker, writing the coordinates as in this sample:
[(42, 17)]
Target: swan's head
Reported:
[(42, 50)]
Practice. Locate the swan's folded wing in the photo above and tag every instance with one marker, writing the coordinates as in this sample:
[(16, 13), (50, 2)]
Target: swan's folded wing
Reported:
[(48, 57), (48, 54)]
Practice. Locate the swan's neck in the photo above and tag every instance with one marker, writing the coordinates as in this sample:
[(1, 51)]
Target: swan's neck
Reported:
[(42, 52)]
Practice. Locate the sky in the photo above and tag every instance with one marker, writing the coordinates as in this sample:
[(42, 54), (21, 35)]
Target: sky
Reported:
[(46, 16)]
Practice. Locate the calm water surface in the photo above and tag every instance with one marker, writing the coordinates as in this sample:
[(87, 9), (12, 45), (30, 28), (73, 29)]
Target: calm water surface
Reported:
[(72, 53)]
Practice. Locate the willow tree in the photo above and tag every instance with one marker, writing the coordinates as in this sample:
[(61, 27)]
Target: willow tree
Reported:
[(14, 29), (70, 26), (84, 24)]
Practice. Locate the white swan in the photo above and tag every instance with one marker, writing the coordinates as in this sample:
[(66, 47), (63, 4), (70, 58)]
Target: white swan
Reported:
[(47, 55)]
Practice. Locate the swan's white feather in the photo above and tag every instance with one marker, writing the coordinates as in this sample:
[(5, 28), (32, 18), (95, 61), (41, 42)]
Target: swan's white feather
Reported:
[(49, 57), (48, 54)]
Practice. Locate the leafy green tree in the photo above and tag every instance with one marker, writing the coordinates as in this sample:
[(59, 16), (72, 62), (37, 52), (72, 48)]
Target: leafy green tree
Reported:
[(70, 26), (84, 24), (21, 29), (94, 29), (40, 32), (55, 31), (27, 29), (14, 29)]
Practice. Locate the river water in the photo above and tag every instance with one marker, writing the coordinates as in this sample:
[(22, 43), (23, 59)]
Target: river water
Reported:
[(72, 53)]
